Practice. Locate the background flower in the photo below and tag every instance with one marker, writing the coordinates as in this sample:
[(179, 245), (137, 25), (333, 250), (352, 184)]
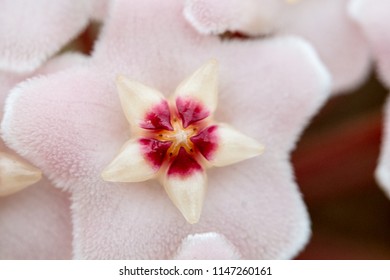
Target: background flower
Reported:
[(33, 31), (324, 23), (373, 16)]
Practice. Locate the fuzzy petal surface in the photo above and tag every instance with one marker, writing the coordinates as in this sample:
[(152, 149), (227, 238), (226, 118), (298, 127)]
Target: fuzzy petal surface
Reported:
[(216, 17), (35, 223), (255, 204), (32, 31), (324, 23)]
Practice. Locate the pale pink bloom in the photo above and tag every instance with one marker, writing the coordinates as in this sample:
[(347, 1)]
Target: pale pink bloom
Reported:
[(324, 23), (33, 31), (373, 17), (177, 138), (71, 126), (34, 222)]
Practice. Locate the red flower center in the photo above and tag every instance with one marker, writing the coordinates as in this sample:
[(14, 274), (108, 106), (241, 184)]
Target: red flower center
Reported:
[(179, 136)]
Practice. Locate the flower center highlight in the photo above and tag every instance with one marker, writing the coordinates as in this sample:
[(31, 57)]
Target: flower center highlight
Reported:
[(178, 136)]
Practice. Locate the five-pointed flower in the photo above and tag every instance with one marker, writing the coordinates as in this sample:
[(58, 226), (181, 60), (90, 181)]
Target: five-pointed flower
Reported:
[(177, 139)]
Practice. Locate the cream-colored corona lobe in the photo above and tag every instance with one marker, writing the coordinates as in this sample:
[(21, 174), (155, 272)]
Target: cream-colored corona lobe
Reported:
[(129, 165), (234, 146), (187, 194), (136, 98), (180, 139), (202, 85), (15, 174)]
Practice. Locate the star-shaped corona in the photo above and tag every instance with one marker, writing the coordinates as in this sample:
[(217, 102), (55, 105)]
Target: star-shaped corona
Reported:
[(176, 139), (16, 174)]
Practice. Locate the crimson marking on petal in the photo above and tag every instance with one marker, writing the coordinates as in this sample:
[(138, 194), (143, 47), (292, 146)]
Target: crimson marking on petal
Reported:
[(158, 117), (191, 110), (207, 141), (184, 164), (154, 150)]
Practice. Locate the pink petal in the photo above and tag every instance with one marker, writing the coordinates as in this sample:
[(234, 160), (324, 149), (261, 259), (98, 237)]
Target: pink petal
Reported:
[(324, 23), (9, 80), (78, 128), (35, 224), (100, 9), (186, 184), (206, 246), (373, 17), (32, 31), (216, 17), (73, 141)]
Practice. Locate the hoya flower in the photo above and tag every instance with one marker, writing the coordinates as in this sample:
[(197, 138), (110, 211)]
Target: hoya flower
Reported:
[(177, 139), (34, 220), (373, 17), (33, 31), (268, 89), (324, 23)]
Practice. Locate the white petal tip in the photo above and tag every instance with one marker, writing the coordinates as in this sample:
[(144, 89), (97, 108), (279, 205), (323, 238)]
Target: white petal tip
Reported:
[(187, 195), (120, 79), (213, 62), (259, 149), (16, 175), (108, 175), (136, 98), (192, 218), (129, 165), (202, 85), (121, 174), (235, 147)]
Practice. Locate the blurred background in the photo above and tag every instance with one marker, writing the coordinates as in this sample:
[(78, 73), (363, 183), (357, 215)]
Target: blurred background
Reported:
[(334, 163)]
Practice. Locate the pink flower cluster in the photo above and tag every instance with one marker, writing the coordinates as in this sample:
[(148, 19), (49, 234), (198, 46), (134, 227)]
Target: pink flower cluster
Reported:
[(279, 62)]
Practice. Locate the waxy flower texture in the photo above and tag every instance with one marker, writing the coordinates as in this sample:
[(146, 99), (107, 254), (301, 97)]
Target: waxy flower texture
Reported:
[(124, 136), (178, 139)]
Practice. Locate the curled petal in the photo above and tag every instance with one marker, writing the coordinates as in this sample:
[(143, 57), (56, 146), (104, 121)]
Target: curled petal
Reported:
[(251, 17), (15, 175), (129, 166), (137, 99), (202, 85), (187, 192), (339, 42), (233, 146)]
